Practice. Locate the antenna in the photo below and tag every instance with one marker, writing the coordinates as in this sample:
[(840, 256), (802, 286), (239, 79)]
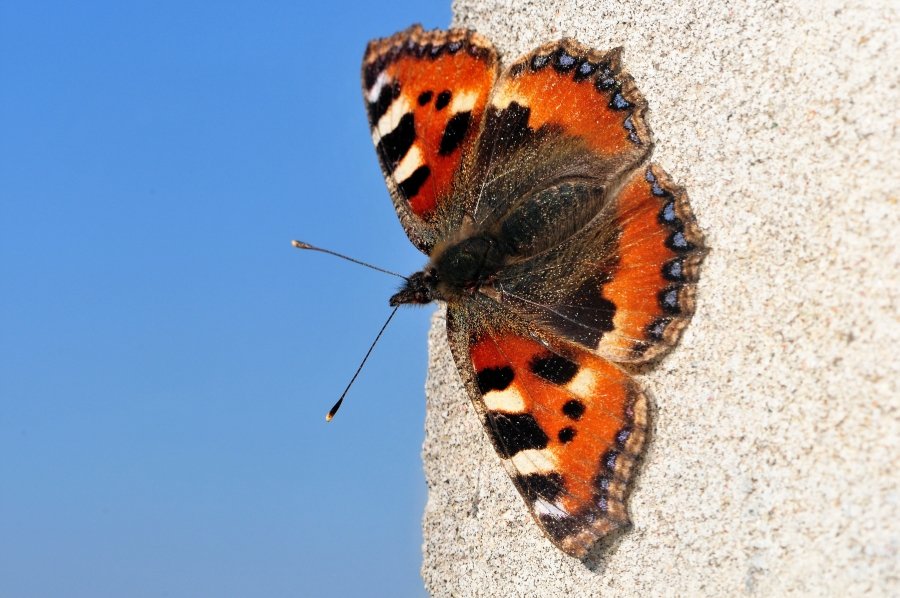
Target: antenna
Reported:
[(337, 405), (302, 245)]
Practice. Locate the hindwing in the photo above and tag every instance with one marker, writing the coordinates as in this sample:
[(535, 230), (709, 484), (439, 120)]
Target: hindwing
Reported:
[(623, 285), (568, 426)]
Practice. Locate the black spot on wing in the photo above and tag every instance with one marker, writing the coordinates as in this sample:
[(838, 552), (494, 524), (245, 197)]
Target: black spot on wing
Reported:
[(442, 100), (586, 314), (393, 146), (425, 97), (454, 132), (541, 485), (411, 184), (515, 432), (371, 72), (509, 125), (566, 435), (573, 409), (554, 368), (490, 379)]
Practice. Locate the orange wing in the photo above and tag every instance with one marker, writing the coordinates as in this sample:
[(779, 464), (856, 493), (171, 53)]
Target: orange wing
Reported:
[(425, 95), (563, 112), (581, 90), (569, 427), (623, 285), (653, 283)]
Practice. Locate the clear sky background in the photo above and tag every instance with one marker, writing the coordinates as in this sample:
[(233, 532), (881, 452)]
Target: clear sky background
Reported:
[(166, 357)]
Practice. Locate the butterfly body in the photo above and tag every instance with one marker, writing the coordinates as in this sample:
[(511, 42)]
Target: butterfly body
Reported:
[(463, 268), (559, 251)]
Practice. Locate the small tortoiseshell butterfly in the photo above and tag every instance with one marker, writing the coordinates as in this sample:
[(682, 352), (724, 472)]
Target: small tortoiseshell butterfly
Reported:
[(561, 253)]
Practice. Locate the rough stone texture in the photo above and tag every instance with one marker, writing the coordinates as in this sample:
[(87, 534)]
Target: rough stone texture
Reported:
[(772, 467)]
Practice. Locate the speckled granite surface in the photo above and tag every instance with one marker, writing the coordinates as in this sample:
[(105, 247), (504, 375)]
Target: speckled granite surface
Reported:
[(773, 464)]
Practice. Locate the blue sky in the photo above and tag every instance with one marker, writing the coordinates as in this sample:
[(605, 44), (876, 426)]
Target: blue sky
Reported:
[(167, 358)]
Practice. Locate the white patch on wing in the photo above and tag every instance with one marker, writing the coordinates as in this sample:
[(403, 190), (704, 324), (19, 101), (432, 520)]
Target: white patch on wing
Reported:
[(390, 119), (582, 385), (542, 506), (503, 99), (375, 91), (409, 163), (508, 400), (534, 461), (463, 102)]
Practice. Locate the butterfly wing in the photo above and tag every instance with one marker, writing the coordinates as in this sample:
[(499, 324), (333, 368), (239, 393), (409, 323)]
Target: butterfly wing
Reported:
[(604, 251), (652, 285), (623, 285), (568, 426), (425, 94), (563, 112)]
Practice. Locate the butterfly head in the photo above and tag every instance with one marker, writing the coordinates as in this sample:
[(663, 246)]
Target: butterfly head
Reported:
[(459, 268), (419, 289)]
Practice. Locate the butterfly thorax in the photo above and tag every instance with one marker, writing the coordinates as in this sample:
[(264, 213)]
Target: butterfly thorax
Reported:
[(463, 267)]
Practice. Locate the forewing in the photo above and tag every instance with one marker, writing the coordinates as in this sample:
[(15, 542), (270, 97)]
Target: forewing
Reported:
[(623, 286), (563, 113), (425, 95), (568, 426)]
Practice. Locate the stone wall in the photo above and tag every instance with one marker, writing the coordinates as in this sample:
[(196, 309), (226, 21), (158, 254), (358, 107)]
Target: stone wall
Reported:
[(773, 461)]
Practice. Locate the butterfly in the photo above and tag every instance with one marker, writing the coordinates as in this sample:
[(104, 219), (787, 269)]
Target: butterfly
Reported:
[(563, 255)]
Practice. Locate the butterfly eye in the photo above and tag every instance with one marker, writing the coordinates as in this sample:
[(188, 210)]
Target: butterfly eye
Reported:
[(430, 277)]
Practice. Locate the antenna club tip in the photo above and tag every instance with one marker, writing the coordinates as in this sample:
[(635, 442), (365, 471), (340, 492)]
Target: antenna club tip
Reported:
[(300, 244), (329, 417)]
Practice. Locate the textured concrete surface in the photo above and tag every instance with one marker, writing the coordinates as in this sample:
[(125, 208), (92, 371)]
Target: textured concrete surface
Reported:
[(772, 466)]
